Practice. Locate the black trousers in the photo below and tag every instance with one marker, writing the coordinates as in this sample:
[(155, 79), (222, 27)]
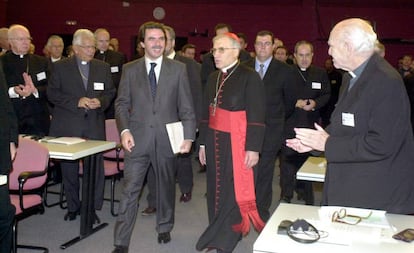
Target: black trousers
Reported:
[(70, 179), (290, 162), (7, 212), (184, 177)]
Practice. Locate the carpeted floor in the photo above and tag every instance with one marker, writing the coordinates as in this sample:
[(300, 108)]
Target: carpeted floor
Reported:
[(50, 230)]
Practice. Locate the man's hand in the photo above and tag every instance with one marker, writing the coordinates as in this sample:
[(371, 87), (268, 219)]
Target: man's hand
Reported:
[(314, 139), (84, 103), (296, 145), (127, 141), (185, 147), (13, 151), (251, 159), (202, 155), (94, 103)]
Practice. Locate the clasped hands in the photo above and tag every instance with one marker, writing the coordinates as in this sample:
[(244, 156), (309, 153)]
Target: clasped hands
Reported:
[(89, 103), (306, 104), (26, 89), (307, 139)]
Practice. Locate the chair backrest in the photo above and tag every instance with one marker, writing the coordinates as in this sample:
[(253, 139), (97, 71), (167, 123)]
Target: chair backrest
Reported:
[(31, 156), (112, 134)]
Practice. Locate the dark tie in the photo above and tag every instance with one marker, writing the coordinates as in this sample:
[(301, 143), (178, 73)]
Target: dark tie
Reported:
[(261, 71), (153, 79)]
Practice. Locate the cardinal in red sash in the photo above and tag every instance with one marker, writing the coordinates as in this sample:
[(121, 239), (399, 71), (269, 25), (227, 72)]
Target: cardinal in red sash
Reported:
[(231, 138)]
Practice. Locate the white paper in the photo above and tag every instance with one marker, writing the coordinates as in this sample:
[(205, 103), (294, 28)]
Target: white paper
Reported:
[(66, 140), (175, 132), (3, 179)]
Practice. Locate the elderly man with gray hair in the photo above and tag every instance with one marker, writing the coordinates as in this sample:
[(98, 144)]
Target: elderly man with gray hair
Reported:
[(369, 143), (80, 89)]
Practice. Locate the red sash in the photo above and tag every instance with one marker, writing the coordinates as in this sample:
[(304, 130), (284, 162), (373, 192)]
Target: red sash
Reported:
[(235, 123)]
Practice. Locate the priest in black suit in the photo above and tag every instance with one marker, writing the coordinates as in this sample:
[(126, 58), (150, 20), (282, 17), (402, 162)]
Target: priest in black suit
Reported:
[(115, 59), (369, 143), (27, 78), (80, 89), (312, 93), (278, 80)]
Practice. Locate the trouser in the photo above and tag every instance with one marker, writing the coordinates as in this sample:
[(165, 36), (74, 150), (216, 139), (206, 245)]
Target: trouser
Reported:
[(70, 179), (289, 165), (7, 212), (263, 183), (135, 171), (184, 178)]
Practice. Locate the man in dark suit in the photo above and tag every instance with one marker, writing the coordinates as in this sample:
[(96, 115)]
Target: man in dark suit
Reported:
[(26, 76), (184, 163), (8, 142), (153, 91), (278, 79), (368, 146), (80, 89), (113, 58), (312, 93)]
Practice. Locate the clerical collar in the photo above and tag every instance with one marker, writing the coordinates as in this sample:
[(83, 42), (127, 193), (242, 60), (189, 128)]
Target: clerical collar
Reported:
[(224, 70), (54, 59), (357, 72), (81, 62), (172, 55), (101, 52), (21, 56)]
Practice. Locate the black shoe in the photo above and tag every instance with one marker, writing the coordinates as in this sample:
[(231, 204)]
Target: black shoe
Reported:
[(149, 211), (284, 200), (185, 197), (71, 215), (164, 237), (96, 219), (120, 249)]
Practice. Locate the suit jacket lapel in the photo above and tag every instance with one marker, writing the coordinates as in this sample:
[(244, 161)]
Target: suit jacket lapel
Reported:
[(78, 77)]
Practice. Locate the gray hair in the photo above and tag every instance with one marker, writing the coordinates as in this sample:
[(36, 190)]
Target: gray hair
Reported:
[(54, 37), (232, 37), (80, 34)]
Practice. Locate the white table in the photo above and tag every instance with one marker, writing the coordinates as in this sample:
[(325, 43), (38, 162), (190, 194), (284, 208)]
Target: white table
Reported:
[(312, 170), (87, 150), (271, 242)]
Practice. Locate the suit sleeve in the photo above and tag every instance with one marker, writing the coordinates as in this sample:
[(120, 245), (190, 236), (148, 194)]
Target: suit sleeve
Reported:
[(186, 106)]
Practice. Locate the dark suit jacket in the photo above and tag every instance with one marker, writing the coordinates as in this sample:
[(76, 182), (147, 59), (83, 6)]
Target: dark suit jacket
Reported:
[(32, 113), (64, 91), (280, 100), (371, 164), (193, 71), (135, 109), (307, 90), (8, 129), (116, 60)]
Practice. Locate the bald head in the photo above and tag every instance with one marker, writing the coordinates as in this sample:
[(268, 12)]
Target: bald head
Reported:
[(19, 39), (351, 42)]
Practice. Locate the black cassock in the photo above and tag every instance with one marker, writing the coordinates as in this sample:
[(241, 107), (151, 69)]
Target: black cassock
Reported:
[(243, 90), (32, 113)]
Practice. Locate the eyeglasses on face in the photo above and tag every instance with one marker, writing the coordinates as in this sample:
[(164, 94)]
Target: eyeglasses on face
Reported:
[(87, 47), (220, 50), (342, 217), (22, 39)]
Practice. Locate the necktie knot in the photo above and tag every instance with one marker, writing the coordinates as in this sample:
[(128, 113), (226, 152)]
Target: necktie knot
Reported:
[(261, 70)]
